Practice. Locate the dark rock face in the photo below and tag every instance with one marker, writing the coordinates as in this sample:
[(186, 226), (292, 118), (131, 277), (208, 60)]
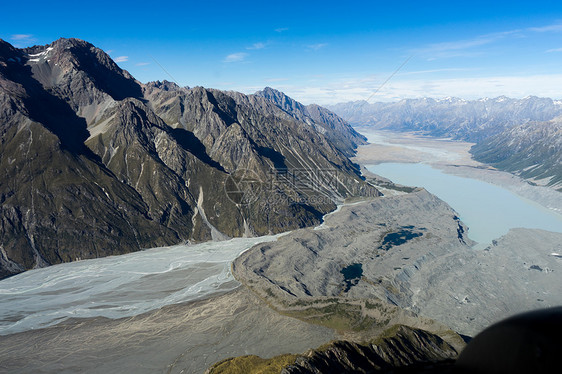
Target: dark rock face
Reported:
[(58, 202), (405, 347), (525, 343), (336, 130), (532, 150), (400, 349), (96, 163)]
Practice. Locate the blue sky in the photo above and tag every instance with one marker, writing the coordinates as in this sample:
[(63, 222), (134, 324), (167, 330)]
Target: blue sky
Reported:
[(323, 52)]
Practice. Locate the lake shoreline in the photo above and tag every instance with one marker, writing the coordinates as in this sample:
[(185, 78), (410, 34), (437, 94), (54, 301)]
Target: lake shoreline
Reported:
[(191, 336), (452, 157)]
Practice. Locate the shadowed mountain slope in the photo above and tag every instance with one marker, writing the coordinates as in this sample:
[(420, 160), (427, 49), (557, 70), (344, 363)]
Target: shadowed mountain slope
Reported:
[(97, 163)]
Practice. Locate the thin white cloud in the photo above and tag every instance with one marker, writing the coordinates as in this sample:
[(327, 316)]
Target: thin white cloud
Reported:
[(462, 48), (142, 63), (548, 28), (235, 57), (554, 50), (351, 89), (281, 29), (316, 47), (22, 40), (432, 71), (21, 37), (121, 59), (473, 47), (459, 44), (470, 47), (270, 80), (257, 46)]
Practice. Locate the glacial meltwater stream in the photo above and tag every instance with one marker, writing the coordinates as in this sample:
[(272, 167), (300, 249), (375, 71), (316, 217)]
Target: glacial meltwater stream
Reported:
[(119, 286), (136, 283)]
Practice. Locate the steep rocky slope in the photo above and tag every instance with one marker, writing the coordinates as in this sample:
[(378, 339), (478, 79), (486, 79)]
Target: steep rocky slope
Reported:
[(97, 163), (470, 120), (338, 131), (524, 343), (398, 348), (59, 203), (532, 151)]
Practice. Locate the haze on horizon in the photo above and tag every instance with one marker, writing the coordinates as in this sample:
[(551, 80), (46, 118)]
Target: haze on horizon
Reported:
[(317, 51)]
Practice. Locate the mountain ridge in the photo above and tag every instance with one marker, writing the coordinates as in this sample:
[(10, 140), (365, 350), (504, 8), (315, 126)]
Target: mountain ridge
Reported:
[(531, 150), (337, 130), (460, 119), (90, 152), (520, 136)]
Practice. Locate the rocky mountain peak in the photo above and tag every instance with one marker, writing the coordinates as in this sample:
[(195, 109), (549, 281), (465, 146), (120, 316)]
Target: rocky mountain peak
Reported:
[(79, 53), (340, 133), (124, 166), (7, 51), (164, 85), (281, 100), (79, 71)]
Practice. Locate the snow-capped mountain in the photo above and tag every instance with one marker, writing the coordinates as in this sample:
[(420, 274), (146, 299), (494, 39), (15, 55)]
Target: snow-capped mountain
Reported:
[(471, 120)]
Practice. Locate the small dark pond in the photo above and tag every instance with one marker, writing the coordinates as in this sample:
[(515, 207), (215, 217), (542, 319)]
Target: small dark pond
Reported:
[(397, 238), (351, 275)]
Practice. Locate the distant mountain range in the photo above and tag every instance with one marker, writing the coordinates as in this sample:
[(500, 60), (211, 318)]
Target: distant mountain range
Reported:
[(521, 136), (470, 120), (95, 163)]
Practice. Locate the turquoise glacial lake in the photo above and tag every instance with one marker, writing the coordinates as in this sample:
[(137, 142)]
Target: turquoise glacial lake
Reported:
[(487, 209)]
